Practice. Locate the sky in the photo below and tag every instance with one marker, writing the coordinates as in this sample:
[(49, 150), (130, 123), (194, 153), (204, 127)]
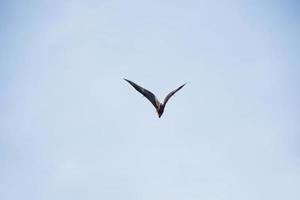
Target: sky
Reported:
[(72, 128)]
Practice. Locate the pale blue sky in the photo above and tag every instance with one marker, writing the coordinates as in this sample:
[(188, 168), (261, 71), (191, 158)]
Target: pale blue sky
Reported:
[(72, 128)]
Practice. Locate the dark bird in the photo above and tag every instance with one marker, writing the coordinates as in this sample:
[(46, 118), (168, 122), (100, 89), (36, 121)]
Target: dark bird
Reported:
[(152, 98)]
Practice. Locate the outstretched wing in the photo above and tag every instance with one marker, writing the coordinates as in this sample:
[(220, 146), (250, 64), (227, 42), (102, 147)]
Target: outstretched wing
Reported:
[(172, 93), (149, 95)]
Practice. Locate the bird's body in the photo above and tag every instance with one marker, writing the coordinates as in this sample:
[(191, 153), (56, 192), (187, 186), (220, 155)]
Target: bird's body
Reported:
[(160, 107), (160, 110)]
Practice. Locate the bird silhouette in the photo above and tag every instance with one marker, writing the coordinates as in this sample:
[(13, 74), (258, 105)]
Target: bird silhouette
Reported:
[(160, 107)]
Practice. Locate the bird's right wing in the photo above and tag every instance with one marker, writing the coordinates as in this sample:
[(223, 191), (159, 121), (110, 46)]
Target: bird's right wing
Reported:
[(149, 95), (172, 93)]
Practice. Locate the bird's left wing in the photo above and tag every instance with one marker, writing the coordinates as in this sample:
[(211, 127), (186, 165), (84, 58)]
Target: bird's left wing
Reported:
[(149, 95)]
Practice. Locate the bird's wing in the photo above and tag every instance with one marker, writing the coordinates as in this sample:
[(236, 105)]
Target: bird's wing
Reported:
[(149, 95), (172, 93)]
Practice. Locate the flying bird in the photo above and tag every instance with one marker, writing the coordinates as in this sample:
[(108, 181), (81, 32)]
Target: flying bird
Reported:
[(160, 107)]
